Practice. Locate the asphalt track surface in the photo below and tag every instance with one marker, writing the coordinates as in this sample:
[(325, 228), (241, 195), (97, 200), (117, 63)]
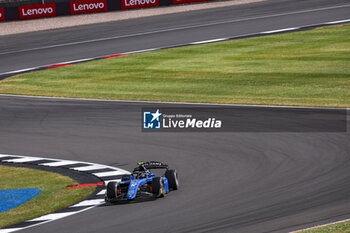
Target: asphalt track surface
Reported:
[(230, 182)]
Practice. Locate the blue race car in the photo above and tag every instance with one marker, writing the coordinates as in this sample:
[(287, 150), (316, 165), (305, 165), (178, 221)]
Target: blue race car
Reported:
[(142, 183)]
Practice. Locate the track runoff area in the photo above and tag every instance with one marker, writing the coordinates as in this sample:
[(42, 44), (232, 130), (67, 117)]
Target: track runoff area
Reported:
[(263, 33)]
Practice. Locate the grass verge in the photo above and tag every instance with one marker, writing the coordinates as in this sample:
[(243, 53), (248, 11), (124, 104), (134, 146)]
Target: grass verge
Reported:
[(309, 68), (54, 194), (343, 227)]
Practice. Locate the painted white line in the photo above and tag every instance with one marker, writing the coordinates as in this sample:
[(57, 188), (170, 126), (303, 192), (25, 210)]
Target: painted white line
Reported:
[(75, 61), (23, 160), (93, 202), (19, 71), (4, 155), (59, 163), (52, 64), (53, 216), (140, 51), (340, 21), (103, 191), (323, 225), (208, 41), (178, 28), (111, 173), (90, 167), (280, 30), (10, 230)]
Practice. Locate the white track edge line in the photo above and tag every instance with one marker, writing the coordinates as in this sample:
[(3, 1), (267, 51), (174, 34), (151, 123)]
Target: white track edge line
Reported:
[(208, 41), (280, 30), (339, 21), (10, 230)]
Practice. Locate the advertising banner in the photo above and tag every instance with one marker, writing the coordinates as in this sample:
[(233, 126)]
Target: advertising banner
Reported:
[(188, 1), (2, 14), (37, 11), (132, 4), (88, 6)]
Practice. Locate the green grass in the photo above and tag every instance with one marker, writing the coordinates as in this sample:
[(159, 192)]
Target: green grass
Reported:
[(53, 196), (310, 68), (334, 228)]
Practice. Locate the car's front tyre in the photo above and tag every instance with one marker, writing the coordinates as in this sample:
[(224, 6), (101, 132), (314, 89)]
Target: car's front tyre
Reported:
[(158, 187), (112, 191), (173, 179)]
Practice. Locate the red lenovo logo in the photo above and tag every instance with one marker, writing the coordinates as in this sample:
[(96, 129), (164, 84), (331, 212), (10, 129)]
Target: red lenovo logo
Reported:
[(37, 11), (2, 14), (131, 4), (88, 6)]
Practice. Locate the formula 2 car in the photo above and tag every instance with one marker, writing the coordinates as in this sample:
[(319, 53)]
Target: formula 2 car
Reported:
[(142, 183)]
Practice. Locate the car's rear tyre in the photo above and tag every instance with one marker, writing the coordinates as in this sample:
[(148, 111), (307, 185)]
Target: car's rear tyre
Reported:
[(158, 187), (173, 180), (111, 193)]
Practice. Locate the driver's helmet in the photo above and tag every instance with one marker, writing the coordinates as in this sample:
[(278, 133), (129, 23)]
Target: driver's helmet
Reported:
[(142, 168)]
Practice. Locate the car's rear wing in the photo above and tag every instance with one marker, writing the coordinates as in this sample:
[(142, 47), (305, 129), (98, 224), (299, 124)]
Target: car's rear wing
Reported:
[(154, 165)]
